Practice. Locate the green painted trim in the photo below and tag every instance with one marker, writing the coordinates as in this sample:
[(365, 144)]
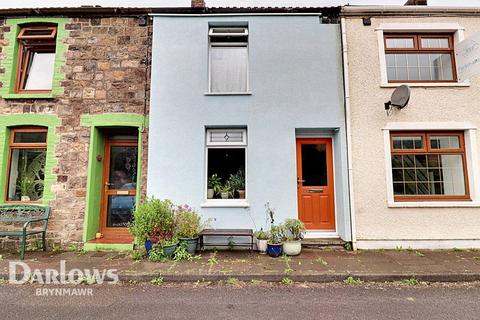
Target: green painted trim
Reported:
[(44, 120), (11, 54), (107, 247), (91, 222), (114, 119), (28, 96), (95, 168)]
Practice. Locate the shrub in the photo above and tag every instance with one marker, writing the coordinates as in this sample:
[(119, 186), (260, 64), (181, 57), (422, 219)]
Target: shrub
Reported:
[(153, 219), (293, 229), (188, 222), (262, 235)]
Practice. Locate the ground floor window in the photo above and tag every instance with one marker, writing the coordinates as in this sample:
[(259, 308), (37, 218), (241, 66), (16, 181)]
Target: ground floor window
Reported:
[(26, 164), (429, 166), (226, 151)]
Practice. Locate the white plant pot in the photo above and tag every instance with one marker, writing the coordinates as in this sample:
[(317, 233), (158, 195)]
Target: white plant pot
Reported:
[(210, 193), (224, 195), (25, 198), (262, 246), (292, 248)]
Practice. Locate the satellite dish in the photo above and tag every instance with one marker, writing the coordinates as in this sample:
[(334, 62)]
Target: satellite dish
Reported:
[(400, 98)]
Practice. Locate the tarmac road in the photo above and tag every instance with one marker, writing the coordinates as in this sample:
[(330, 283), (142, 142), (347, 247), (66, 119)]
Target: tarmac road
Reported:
[(312, 301)]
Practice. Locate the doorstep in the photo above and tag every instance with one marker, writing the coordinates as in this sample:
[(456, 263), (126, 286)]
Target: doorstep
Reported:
[(109, 244)]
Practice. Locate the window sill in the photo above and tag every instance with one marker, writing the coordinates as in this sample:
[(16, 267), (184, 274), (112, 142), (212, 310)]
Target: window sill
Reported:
[(435, 204), (228, 93), (28, 96), (226, 204), (426, 84)]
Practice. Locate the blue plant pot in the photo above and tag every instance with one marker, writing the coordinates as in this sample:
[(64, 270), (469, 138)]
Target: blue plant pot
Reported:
[(274, 250), (148, 246)]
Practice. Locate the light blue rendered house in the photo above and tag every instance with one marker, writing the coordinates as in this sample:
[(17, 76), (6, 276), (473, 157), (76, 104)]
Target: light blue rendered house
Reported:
[(259, 94)]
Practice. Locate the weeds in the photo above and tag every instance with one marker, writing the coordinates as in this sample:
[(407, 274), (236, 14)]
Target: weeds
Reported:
[(411, 282), (138, 254), (348, 246), (419, 254), (287, 281), (287, 270), (56, 248), (321, 261), (352, 281), (88, 280), (157, 281), (232, 281), (157, 255)]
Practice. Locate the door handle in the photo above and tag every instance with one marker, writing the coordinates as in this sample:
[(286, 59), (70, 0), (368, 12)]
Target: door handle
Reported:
[(299, 181), (315, 191)]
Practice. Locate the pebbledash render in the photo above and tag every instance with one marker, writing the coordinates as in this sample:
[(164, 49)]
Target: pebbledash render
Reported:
[(73, 120), (415, 171)]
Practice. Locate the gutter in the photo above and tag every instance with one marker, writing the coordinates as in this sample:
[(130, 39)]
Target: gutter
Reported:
[(353, 11), (346, 88), (96, 11)]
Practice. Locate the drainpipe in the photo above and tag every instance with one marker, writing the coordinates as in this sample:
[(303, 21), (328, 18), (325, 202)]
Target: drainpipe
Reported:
[(346, 89)]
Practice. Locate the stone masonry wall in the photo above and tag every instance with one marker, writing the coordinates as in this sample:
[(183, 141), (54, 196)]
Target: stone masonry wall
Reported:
[(106, 71)]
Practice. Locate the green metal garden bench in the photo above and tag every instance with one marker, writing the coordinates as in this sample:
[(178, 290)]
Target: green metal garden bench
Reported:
[(27, 214)]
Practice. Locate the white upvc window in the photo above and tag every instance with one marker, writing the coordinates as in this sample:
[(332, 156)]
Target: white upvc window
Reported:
[(410, 57), (412, 183), (228, 60), (226, 159)]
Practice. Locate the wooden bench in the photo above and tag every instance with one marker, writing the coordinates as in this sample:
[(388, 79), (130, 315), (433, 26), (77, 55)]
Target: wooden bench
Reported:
[(227, 233), (25, 214)]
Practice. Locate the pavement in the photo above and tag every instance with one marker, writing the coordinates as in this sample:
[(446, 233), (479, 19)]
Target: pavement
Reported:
[(313, 265), (315, 301)]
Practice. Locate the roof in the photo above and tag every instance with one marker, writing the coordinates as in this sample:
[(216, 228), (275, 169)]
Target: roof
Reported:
[(130, 11)]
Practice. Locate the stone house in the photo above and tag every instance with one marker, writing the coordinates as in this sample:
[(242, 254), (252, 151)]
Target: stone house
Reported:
[(414, 170), (74, 102)]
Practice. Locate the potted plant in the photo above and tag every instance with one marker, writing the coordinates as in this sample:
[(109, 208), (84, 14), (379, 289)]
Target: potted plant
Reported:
[(214, 185), (274, 244), (262, 239), (188, 224), (294, 230), (26, 186), (225, 190), (237, 182), (153, 221), (169, 246)]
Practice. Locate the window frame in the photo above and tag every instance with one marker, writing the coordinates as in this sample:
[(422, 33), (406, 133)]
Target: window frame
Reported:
[(22, 145), (234, 145), (417, 38), (26, 46), (211, 44), (428, 150)]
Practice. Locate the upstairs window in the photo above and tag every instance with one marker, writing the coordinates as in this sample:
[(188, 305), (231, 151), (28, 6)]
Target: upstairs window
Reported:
[(26, 164), (429, 166), (36, 59), (420, 58), (228, 60)]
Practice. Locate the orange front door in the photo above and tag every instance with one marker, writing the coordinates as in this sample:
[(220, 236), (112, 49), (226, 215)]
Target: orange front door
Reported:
[(119, 189), (316, 206)]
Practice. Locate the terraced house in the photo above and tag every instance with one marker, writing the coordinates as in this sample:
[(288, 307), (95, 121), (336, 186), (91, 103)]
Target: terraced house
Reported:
[(73, 117), (415, 174)]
